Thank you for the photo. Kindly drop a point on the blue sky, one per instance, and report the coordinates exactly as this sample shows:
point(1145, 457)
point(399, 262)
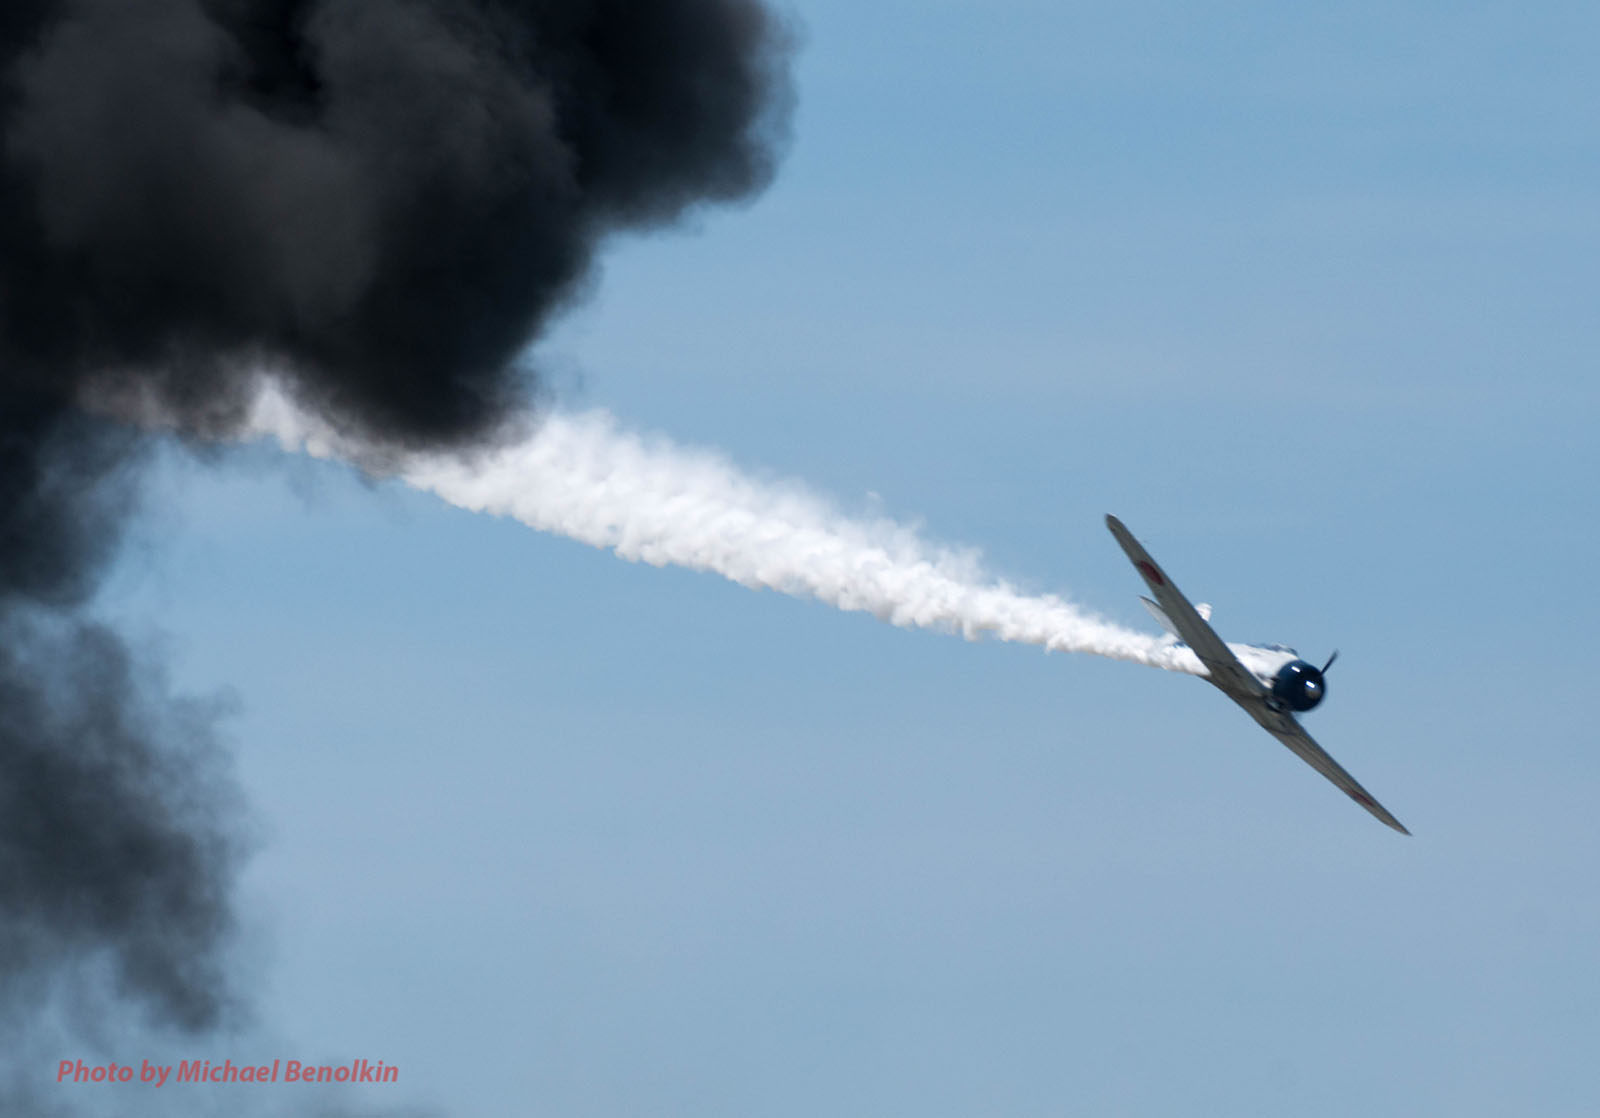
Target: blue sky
point(1305, 297)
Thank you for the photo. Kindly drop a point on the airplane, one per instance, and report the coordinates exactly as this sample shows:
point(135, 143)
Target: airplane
point(1275, 684)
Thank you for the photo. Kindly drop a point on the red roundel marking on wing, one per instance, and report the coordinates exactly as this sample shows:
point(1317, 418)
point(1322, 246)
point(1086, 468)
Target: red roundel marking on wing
point(1149, 571)
point(1365, 801)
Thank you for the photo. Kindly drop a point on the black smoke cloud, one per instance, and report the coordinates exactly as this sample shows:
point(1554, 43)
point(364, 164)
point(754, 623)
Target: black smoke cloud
point(385, 201)
point(390, 196)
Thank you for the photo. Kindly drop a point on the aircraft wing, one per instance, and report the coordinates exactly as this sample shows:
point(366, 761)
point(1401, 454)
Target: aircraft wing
point(1226, 671)
point(1283, 726)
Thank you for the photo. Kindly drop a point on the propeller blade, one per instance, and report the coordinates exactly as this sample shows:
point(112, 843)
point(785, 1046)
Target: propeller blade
point(1331, 659)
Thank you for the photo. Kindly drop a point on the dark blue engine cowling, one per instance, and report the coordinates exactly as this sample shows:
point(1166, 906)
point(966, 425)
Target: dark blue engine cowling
point(1299, 685)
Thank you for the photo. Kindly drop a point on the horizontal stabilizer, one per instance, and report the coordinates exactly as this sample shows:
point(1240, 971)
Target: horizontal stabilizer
point(1162, 618)
point(1202, 608)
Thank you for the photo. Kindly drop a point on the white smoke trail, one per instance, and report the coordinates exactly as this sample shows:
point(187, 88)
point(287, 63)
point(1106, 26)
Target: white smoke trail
point(649, 500)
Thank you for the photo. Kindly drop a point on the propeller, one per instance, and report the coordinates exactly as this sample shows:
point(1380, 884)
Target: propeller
point(1331, 659)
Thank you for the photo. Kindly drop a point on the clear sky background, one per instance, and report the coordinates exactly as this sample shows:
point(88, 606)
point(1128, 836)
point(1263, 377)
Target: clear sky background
point(1307, 297)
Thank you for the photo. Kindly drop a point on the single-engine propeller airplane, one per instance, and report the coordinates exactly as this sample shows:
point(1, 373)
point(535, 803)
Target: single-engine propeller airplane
point(1269, 681)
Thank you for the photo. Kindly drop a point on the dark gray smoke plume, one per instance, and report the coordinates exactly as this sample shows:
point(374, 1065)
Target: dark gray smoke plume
point(386, 200)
